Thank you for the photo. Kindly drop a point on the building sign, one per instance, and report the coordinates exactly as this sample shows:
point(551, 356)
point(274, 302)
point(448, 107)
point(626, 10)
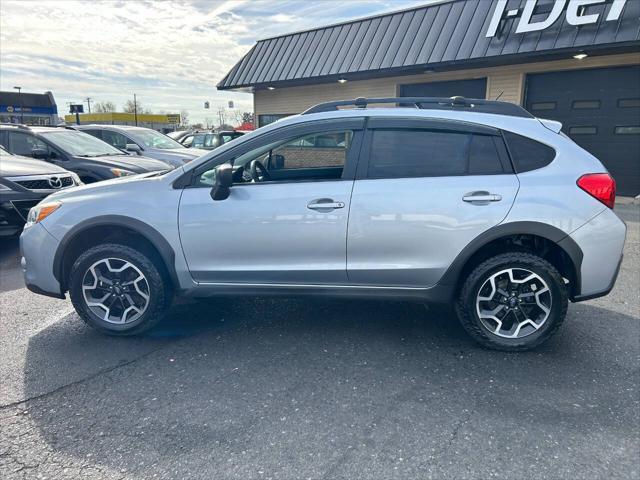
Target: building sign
point(173, 118)
point(576, 14)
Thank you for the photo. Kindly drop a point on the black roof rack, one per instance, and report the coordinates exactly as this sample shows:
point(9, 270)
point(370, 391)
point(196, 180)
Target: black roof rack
point(435, 103)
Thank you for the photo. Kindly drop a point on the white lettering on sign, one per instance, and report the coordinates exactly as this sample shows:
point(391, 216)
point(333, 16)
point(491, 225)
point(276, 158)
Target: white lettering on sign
point(576, 14)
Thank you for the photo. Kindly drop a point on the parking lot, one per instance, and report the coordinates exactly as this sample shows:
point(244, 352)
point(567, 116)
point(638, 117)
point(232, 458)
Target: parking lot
point(298, 388)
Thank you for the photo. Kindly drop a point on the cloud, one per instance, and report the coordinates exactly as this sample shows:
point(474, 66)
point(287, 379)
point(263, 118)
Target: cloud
point(170, 53)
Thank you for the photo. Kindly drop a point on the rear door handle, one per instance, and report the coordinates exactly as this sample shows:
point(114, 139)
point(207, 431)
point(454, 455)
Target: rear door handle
point(481, 197)
point(324, 204)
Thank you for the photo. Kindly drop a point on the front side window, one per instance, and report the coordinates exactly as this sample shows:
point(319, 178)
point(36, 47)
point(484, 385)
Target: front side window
point(80, 144)
point(305, 158)
point(116, 139)
point(433, 153)
point(23, 144)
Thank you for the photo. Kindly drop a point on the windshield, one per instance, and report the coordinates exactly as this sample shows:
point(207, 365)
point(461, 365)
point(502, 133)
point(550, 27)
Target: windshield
point(228, 136)
point(176, 134)
point(152, 139)
point(80, 144)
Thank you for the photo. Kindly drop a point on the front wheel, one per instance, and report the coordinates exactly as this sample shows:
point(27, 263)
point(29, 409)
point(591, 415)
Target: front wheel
point(512, 302)
point(118, 290)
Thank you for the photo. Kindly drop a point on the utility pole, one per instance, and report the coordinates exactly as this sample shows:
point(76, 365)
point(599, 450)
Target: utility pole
point(135, 109)
point(88, 100)
point(21, 105)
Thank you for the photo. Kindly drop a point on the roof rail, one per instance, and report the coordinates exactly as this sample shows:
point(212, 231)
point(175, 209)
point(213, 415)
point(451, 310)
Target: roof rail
point(17, 125)
point(435, 103)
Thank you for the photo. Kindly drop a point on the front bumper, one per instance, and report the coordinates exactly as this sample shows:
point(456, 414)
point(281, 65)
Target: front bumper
point(14, 208)
point(38, 247)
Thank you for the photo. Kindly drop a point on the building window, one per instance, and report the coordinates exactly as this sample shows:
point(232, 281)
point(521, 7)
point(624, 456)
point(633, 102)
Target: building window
point(629, 102)
point(627, 130)
point(270, 118)
point(584, 130)
point(543, 106)
point(585, 104)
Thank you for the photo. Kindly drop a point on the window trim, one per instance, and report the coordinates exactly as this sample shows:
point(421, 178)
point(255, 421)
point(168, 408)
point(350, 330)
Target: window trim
point(442, 125)
point(356, 124)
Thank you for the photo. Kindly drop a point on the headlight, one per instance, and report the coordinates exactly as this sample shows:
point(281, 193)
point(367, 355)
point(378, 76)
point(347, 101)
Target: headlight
point(119, 172)
point(40, 212)
point(4, 188)
point(76, 178)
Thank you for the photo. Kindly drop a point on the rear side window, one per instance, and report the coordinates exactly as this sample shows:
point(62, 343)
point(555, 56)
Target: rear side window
point(427, 153)
point(528, 154)
point(485, 153)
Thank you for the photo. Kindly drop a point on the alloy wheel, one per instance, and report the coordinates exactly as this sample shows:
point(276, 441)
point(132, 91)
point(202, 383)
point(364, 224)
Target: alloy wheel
point(116, 290)
point(513, 303)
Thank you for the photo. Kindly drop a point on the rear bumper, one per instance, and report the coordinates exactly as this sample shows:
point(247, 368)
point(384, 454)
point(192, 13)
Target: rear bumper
point(37, 247)
point(603, 293)
point(602, 242)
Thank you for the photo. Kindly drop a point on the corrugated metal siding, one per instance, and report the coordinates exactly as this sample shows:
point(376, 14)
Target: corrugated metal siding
point(445, 33)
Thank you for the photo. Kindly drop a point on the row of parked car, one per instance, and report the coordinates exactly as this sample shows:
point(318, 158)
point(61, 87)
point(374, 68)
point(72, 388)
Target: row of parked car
point(37, 161)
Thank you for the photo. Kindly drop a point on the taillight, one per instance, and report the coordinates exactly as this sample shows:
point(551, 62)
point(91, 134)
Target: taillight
point(600, 186)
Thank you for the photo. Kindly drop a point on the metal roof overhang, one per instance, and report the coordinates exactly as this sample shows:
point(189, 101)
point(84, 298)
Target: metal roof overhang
point(445, 36)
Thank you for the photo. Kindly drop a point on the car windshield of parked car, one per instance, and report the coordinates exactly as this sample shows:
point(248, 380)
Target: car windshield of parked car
point(80, 144)
point(228, 136)
point(152, 139)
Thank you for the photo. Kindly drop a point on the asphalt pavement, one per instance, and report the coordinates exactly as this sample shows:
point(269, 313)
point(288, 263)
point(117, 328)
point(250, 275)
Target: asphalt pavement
point(251, 388)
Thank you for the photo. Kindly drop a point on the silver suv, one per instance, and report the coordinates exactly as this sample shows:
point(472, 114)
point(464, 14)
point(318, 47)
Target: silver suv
point(469, 203)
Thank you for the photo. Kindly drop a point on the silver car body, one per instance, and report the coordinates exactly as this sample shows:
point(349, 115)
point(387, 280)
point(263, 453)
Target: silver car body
point(174, 156)
point(402, 237)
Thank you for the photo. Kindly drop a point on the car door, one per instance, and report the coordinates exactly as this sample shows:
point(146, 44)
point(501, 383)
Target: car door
point(424, 190)
point(289, 230)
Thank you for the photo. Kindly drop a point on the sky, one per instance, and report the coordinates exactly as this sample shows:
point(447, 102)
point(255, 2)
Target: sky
point(171, 53)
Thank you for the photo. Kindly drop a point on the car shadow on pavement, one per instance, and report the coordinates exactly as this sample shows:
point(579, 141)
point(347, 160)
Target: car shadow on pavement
point(296, 388)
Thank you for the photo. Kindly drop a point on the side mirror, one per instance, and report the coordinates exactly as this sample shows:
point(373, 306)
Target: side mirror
point(222, 182)
point(40, 154)
point(132, 147)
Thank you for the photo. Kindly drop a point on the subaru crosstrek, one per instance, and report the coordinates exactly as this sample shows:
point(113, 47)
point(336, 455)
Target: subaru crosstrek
point(471, 203)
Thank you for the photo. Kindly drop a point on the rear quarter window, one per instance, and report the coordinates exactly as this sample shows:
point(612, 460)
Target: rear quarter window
point(528, 154)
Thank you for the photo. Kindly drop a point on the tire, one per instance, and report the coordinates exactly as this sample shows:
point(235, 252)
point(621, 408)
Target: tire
point(524, 325)
point(106, 260)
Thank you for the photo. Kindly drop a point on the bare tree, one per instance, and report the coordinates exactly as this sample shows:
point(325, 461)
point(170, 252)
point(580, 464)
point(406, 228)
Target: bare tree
point(248, 117)
point(184, 118)
point(104, 107)
point(222, 116)
point(130, 107)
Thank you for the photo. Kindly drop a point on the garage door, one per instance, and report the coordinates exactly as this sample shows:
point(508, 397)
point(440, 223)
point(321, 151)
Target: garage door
point(476, 88)
point(600, 110)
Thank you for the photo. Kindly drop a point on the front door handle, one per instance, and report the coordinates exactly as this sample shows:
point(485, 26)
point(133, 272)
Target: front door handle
point(324, 205)
point(481, 198)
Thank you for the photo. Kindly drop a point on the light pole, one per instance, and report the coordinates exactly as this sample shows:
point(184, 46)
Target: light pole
point(135, 109)
point(21, 106)
point(88, 100)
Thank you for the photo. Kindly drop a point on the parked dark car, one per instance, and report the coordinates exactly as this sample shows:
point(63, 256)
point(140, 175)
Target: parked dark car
point(92, 159)
point(207, 140)
point(24, 182)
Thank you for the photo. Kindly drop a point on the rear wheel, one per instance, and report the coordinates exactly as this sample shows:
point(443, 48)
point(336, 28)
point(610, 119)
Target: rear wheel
point(513, 301)
point(118, 290)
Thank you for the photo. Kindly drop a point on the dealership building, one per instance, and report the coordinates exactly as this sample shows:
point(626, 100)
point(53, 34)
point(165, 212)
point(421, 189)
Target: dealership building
point(28, 108)
point(575, 61)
